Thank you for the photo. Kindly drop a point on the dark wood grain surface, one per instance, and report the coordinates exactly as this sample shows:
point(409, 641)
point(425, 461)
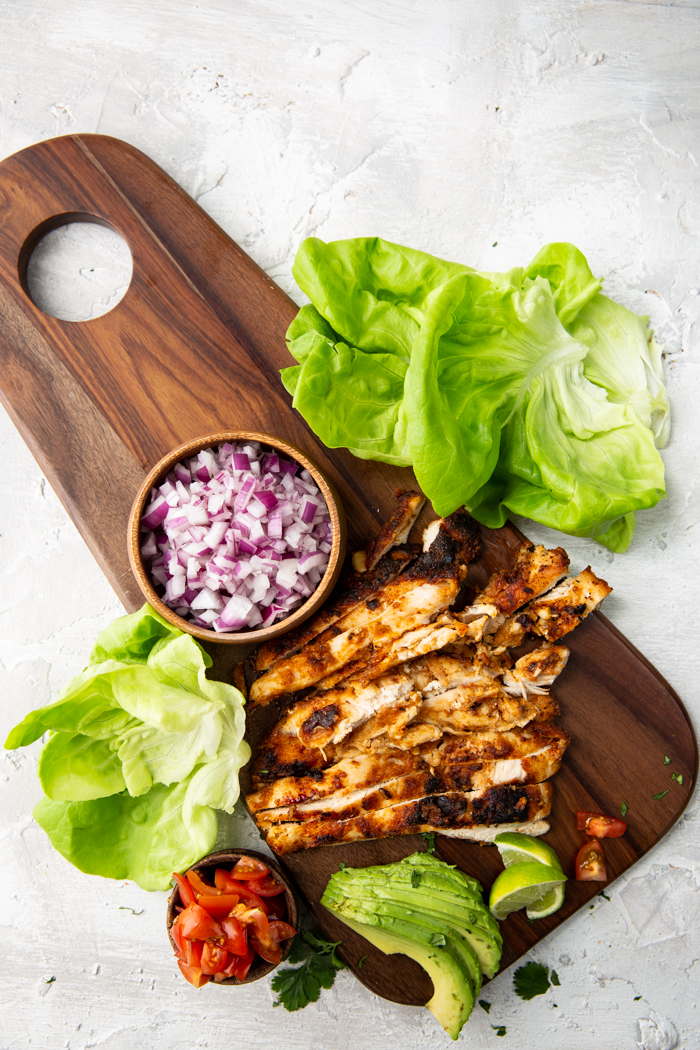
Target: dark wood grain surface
point(195, 346)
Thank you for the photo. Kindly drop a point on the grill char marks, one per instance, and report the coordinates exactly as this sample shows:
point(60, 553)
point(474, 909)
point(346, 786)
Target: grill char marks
point(427, 587)
point(398, 527)
point(354, 588)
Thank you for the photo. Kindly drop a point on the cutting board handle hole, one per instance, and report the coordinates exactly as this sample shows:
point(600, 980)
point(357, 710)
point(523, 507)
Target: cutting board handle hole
point(75, 267)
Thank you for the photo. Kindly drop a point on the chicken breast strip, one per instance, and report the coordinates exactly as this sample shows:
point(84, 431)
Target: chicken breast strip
point(428, 587)
point(395, 531)
point(451, 810)
point(355, 588)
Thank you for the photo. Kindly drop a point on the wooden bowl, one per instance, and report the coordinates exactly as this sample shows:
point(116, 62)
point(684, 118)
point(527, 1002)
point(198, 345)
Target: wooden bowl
point(226, 858)
point(245, 635)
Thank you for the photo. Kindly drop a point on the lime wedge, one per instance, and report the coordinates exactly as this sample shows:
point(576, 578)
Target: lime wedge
point(516, 848)
point(547, 905)
point(521, 885)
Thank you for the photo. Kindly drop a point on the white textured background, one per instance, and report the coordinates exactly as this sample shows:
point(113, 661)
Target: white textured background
point(448, 125)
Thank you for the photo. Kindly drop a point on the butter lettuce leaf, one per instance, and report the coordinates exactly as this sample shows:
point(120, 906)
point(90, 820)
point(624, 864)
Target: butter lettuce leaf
point(144, 748)
point(144, 839)
point(524, 392)
point(77, 768)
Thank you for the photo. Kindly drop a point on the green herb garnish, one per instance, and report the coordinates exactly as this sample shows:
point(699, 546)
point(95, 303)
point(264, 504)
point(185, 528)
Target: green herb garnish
point(531, 980)
point(623, 809)
point(123, 907)
point(667, 760)
point(301, 986)
point(361, 962)
point(499, 1029)
point(554, 977)
point(484, 1005)
point(342, 866)
point(50, 980)
point(637, 998)
point(429, 840)
point(439, 940)
point(415, 879)
point(661, 794)
point(602, 894)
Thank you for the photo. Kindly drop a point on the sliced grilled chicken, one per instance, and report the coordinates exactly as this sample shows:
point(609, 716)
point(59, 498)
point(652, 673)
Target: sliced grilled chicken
point(460, 711)
point(486, 835)
point(397, 529)
point(428, 587)
point(471, 763)
point(563, 609)
point(454, 810)
point(354, 589)
point(534, 571)
point(535, 672)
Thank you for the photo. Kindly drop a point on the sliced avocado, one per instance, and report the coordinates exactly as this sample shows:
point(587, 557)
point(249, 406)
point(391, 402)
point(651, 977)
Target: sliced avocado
point(396, 916)
point(471, 911)
point(454, 995)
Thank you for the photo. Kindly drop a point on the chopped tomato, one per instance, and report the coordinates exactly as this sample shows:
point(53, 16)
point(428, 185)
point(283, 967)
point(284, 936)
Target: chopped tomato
point(197, 924)
point(223, 881)
point(193, 974)
point(249, 868)
point(187, 894)
point(180, 942)
point(236, 935)
point(590, 863)
point(246, 894)
point(268, 886)
point(198, 884)
point(252, 917)
point(239, 965)
point(599, 825)
point(276, 907)
point(266, 949)
point(220, 905)
point(193, 953)
point(281, 931)
point(214, 958)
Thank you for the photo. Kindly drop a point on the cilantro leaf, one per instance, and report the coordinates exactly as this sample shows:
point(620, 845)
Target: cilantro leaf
point(361, 962)
point(484, 1005)
point(301, 986)
point(679, 778)
point(667, 760)
point(660, 794)
point(554, 976)
point(429, 840)
point(623, 809)
point(499, 1029)
point(531, 980)
point(415, 878)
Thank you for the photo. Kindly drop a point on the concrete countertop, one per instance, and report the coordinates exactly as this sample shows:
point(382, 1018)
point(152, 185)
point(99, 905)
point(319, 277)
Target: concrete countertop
point(474, 131)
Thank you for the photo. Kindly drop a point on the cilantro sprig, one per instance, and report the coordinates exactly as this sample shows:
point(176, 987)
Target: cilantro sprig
point(298, 987)
point(533, 979)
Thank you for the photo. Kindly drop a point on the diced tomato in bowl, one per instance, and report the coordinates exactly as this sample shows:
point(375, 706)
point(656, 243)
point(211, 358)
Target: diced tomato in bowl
point(231, 918)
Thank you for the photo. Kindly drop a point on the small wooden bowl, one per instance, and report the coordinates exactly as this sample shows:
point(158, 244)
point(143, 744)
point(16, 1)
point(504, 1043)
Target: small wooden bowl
point(226, 858)
point(246, 635)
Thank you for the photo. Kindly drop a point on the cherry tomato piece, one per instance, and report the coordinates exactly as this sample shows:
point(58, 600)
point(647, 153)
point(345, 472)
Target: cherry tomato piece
point(244, 891)
point(219, 906)
point(180, 942)
point(249, 868)
point(256, 917)
point(276, 907)
point(590, 863)
point(236, 936)
point(223, 881)
point(187, 894)
point(268, 886)
point(239, 966)
point(600, 825)
point(201, 888)
point(267, 949)
point(193, 974)
point(214, 958)
point(193, 954)
point(280, 931)
point(197, 924)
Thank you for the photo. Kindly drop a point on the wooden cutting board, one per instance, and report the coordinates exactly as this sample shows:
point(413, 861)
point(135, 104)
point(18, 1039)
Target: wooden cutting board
point(195, 346)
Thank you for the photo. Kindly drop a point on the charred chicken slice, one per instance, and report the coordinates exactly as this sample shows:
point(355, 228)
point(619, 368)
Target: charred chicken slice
point(457, 810)
point(428, 587)
point(397, 529)
point(354, 589)
point(567, 605)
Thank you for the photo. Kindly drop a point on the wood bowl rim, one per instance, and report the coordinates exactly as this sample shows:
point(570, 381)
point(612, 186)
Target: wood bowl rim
point(221, 858)
point(325, 586)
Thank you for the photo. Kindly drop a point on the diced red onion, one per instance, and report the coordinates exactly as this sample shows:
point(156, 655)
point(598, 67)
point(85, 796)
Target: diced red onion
point(236, 537)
